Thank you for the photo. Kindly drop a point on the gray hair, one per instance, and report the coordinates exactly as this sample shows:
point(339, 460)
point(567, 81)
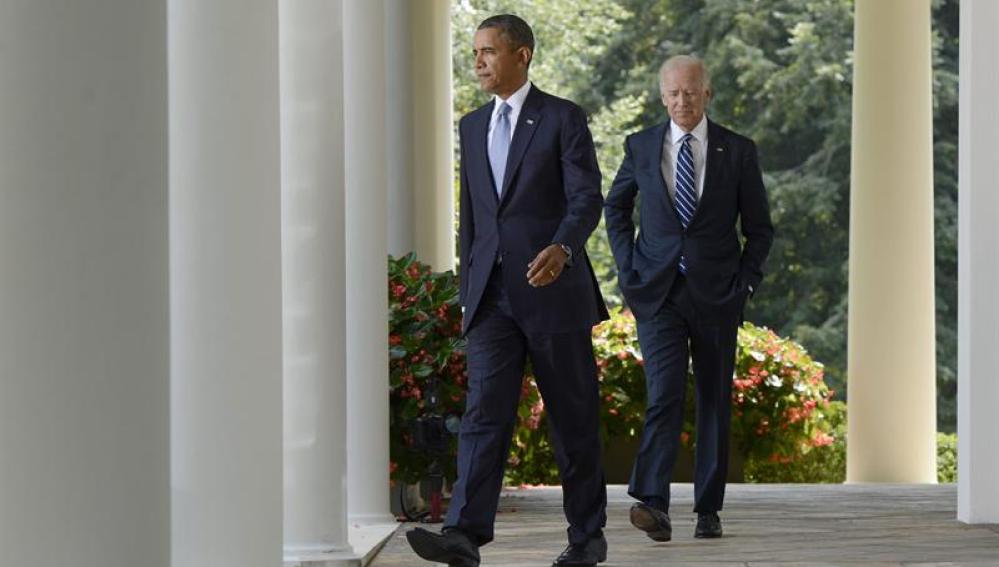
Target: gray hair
point(683, 61)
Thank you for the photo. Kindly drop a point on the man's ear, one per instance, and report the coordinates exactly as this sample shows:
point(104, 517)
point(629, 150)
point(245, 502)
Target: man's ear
point(525, 55)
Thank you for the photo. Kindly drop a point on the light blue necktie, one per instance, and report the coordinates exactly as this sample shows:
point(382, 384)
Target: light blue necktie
point(686, 195)
point(500, 146)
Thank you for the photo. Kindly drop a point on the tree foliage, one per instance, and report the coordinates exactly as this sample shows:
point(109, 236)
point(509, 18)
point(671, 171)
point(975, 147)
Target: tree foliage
point(781, 74)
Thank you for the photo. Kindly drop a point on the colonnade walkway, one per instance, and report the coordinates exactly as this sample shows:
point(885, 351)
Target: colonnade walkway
point(765, 526)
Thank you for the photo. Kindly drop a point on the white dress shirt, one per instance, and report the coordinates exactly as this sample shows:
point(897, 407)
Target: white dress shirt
point(671, 147)
point(516, 102)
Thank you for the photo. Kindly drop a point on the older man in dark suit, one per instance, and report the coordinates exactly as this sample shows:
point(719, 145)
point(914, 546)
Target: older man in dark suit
point(686, 278)
point(530, 197)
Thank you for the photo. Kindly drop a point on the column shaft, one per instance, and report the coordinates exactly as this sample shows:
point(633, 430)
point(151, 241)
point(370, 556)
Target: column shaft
point(367, 296)
point(421, 181)
point(314, 285)
point(84, 303)
point(225, 283)
point(892, 394)
point(978, 268)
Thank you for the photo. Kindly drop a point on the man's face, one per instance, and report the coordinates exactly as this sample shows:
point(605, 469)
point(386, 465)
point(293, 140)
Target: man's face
point(500, 68)
point(685, 96)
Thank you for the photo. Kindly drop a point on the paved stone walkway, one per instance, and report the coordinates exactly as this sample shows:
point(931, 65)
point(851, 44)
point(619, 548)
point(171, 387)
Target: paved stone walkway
point(765, 525)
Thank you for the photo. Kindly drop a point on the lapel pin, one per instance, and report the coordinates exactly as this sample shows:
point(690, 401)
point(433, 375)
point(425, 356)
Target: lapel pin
point(719, 149)
point(530, 121)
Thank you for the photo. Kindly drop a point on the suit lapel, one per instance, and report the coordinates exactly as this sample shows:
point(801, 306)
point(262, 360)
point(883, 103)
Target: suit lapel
point(657, 162)
point(714, 157)
point(479, 147)
point(527, 125)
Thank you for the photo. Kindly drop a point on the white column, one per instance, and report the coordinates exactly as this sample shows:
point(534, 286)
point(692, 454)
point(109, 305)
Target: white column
point(314, 284)
point(978, 266)
point(84, 329)
point(399, 91)
point(225, 283)
point(367, 302)
point(419, 106)
point(892, 392)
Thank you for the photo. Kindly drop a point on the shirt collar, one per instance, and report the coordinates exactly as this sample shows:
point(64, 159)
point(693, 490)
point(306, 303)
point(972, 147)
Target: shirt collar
point(700, 132)
point(516, 100)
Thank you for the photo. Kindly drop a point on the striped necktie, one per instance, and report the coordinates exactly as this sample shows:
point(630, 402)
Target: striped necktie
point(686, 194)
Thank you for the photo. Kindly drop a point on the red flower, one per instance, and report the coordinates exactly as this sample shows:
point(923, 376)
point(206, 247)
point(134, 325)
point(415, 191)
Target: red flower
point(822, 439)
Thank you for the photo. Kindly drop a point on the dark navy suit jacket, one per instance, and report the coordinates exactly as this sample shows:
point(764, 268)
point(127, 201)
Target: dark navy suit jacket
point(551, 194)
point(719, 267)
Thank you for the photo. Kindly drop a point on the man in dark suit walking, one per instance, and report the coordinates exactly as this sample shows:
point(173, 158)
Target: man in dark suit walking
point(530, 197)
point(687, 278)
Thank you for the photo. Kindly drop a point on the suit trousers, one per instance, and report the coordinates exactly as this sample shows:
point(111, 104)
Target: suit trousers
point(566, 376)
point(675, 335)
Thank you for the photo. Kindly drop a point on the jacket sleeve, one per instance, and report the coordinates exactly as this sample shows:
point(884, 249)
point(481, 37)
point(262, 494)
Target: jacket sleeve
point(754, 214)
point(581, 182)
point(618, 209)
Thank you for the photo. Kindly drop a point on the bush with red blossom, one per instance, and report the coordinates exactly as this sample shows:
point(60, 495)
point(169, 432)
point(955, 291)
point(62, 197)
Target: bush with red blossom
point(424, 341)
point(783, 420)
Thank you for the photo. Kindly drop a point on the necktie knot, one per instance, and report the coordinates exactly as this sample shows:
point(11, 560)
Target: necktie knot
point(686, 138)
point(504, 109)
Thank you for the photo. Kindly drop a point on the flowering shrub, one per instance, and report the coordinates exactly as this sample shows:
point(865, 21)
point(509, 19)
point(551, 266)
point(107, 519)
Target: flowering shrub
point(781, 404)
point(424, 342)
point(783, 422)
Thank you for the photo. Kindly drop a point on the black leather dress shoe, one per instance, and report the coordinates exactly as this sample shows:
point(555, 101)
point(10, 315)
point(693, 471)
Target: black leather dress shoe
point(453, 547)
point(655, 523)
point(579, 554)
point(708, 525)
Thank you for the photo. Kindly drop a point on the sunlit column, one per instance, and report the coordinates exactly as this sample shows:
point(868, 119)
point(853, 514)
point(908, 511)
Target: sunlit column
point(892, 345)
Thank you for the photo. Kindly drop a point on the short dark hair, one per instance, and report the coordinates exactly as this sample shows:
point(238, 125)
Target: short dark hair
point(515, 29)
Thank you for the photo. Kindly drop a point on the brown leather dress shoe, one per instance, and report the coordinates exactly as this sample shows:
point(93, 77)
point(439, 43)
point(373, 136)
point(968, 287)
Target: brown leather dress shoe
point(655, 523)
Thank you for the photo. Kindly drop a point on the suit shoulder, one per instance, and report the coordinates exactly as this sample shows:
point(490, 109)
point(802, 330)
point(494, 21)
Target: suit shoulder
point(646, 136)
point(562, 106)
point(470, 116)
point(647, 132)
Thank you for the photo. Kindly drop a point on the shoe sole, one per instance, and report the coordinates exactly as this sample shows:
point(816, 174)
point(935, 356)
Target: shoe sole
point(645, 521)
point(707, 536)
point(426, 546)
